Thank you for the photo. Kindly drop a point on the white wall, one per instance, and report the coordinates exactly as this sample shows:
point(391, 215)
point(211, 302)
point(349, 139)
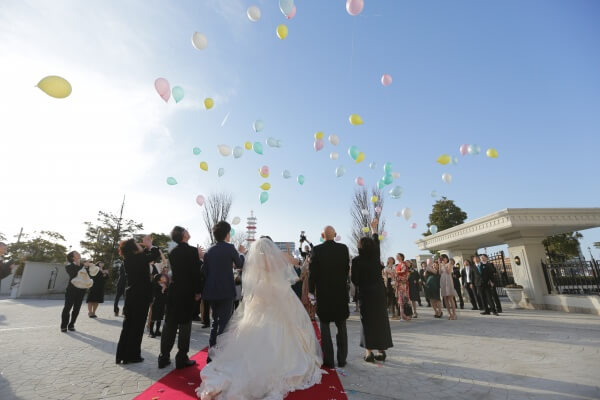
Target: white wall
point(5, 285)
point(37, 275)
point(571, 303)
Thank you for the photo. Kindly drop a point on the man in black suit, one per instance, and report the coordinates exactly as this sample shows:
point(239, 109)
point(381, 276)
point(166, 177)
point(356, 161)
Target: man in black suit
point(73, 295)
point(328, 283)
point(121, 285)
point(184, 290)
point(485, 290)
point(493, 281)
point(468, 281)
point(423, 274)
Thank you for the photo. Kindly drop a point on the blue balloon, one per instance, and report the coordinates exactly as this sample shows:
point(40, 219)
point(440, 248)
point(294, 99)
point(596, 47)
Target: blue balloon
point(381, 184)
point(177, 93)
point(286, 6)
point(396, 192)
point(353, 152)
point(387, 179)
point(258, 147)
point(433, 229)
point(387, 168)
point(264, 196)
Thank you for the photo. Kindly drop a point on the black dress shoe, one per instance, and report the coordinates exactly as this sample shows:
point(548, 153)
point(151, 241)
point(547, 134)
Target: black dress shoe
point(63, 329)
point(474, 308)
point(485, 313)
point(342, 364)
point(72, 328)
point(185, 364)
point(381, 356)
point(370, 358)
point(495, 313)
point(163, 362)
point(134, 361)
point(205, 325)
point(499, 311)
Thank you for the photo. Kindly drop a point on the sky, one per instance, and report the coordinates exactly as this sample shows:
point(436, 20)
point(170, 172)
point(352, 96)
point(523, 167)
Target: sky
point(520, 77)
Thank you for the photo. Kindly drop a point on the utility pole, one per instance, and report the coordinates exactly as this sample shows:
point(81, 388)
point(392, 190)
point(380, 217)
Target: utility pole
point(117, 233)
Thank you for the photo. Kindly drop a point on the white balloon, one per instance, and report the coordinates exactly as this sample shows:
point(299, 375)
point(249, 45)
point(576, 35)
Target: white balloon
point(446, 177)
point(199, 41)
point(224, 150)
point(406, 213)
point(334, 155)
point(340, 171)
point(334, 140)
point(253, 13)
point(236, 220)
point(399, 214)
point(221, 172)
point(238, 151)
point(364, 211)
point(372, 165)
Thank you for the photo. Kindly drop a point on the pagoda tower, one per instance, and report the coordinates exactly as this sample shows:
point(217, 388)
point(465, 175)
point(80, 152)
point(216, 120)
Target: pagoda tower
point(251, 228)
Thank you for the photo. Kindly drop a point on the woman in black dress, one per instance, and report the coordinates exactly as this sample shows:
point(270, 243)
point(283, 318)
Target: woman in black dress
point(414, 286)
point(366, 275)
point(160, 286)
point(96, 292)
point(138, 296)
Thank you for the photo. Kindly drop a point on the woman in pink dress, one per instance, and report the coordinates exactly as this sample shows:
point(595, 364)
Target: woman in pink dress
point(447, 286)
point(402, 284)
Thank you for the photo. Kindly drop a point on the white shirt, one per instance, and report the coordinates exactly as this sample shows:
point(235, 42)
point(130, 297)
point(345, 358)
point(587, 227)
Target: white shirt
point(468, 271)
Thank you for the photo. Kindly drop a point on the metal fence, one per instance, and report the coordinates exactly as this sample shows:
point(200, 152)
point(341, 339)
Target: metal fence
point(572, 277)
point(504, 268)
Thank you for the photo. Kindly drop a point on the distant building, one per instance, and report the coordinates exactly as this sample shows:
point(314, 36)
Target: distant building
point(283, 246)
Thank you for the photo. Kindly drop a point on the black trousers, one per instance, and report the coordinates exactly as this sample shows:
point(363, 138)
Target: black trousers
point(130, 343)
point(167, 340)
point(496, 299)
point(221, 313)
point(205, 312)
point(73, 300)
point(472, 296)
point(120, 292)
point(327, 343)
point(487, 298)
point(459, 293)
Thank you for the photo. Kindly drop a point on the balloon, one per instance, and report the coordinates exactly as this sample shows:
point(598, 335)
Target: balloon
point(359, 181)
point(395, 175)
point(258, 126)
point(380, 184)
point(177, 93)
point(396, 192)
point(258, 147)
point(413, 226)
point(454, 160)
point(353, 152)
point(354, 7)
point(271, 142)
point(163, 88)
point(360, 158)
point(279, 144)
point(171, 181)
point(286, 174)
point(355, 119)
point(474, 149)
point(286, 6)
point(57, 87)
point(248, 146)
point(387, 168)
point(374, 199)
point(199, 41)
point(378, 209)
point(492, 153)
point(264, 171)
point(381, 237)
point(464, 149)
point(446, 177)
point(264, 196)
point(265, 186)
point(282, 31)
point(338, 237)
point(253, 13)
point(301, 179)
point(200, 200)
point(444, 159)
point(321, 239)
point(208, 103)
point(232, 232)
point(204, 166)
point(364, 211)
point(433, 229)
point(372, 165)
point(221, 172)
point(334, 140)
point(433, 193)
point(340, 171)
point(406, 213)
point(197, 151)
point(292, 13)
point(235, 220)
point(365, 229)
point(224, 150)
point(334, 155)
point(387, 179)
point(319, 135)
point(384, 234)
point(318, 145)
point(238, 152)
point(386, 79)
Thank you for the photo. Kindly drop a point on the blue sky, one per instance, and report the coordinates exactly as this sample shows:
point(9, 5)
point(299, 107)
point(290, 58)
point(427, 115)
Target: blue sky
point(521, 77)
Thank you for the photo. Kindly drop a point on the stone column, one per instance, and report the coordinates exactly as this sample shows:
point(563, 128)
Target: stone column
point(530, 273)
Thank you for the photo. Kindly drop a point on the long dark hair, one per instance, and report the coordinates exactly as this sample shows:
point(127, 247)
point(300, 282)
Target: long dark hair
point(127, 248)
point(367, 247)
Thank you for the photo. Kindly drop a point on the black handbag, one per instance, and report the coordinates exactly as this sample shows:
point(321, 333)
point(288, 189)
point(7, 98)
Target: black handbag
point(408, 311)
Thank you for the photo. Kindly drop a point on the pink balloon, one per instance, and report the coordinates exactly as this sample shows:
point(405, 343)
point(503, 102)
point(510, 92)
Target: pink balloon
point(384, 233)
point(200, 200)
point(354, 7)
point(264, 170)
point(319, 144)
point(292, 13)
point(338, 237)
point(359, 181)
point(464, 149)
point(386, 80)
point(377, 209)
point(163, 88)
point(413, 226)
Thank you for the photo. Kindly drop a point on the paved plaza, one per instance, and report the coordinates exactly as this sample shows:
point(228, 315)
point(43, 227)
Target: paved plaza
point(522, 354)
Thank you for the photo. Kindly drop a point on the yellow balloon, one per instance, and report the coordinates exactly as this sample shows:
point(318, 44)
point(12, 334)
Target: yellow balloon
point(265, 186)
point(444, 159)
point(374, 199)
point(365, 229)
point(360, 158)
point(209, 103)
point(248, 146)
point(319, 135)
point(355, 119)
point(381, 237)
point(282, 31)
point(55, 86)
point(204, 166)
point(492, 153)
point(263, 175)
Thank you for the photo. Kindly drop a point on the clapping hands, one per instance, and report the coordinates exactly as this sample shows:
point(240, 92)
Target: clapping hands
point(374, 225)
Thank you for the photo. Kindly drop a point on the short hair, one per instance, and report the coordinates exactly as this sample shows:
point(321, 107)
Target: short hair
point(401, 255)
point(71, 256)
point(444, 257)
point(177, 234)
point(483, 255)
point(423, 262)
point(220, 230)
point(127, 247)
point(466, 262)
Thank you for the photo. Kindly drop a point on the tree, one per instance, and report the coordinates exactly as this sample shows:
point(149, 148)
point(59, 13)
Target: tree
point(43, 246)
point(445, 214)
point(239, 239)
point(216, 208)
point(2, 237)
point(363, 212)
point(597, 245)
point(563, 246)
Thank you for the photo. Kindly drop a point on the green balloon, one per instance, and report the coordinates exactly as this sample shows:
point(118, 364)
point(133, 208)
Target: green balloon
point(197, 151)
point(301, 179)
point(177, 93)
point(232, 232)
point(381, 184)
point(387, 179)
point(171, 181)
point(258, 147)
point(353, 152)
point(387, 168)
point(264, 196)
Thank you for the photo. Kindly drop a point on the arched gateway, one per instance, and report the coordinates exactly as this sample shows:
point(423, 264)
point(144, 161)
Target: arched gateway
point(523, 230)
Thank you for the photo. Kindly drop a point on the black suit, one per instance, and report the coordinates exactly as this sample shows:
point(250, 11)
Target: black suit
point(456, 282)
point(467, 283)
point(73, 299)
point(487, 275)
point(328, 280)
point(493, 274)
point(186, 282)
point(121, 284)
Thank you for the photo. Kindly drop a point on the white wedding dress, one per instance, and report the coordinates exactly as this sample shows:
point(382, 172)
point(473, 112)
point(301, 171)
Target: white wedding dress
point(269, 347)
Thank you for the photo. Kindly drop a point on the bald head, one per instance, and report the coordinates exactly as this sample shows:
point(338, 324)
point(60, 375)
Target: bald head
point(329, 232)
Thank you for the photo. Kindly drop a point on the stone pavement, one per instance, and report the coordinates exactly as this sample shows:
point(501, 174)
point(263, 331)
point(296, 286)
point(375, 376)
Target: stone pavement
point(520, 355)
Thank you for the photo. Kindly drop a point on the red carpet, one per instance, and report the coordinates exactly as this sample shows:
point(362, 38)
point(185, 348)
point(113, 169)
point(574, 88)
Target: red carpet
point(182, 384)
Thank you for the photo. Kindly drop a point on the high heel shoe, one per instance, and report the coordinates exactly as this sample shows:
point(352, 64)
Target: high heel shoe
point(370, 358)
point(381, 356)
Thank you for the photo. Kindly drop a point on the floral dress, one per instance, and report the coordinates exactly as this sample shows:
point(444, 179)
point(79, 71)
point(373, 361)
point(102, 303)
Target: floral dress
point(402, 285)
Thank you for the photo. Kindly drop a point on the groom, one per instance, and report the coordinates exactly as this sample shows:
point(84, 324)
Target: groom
point(328, 278)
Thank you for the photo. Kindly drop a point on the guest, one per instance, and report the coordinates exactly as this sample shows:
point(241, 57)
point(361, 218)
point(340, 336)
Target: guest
point(366, 274)
point(160, 285)
point(138, 296)
point(96, 292)
point(237, 279)
point(389, 279)
point(121, 284)
point(423, 275)
point(310, 308)
point(402, 294)
point(467, 276)
point(6, 267)
point(414, 286)
point(447, 286)
point(456, 282)
point(493, 281)
point(73, 295)
point(487, 276)
point(432, 287)
point(184, 290)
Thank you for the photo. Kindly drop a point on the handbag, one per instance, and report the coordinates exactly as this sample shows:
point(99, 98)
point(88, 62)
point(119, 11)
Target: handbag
point(408, 311)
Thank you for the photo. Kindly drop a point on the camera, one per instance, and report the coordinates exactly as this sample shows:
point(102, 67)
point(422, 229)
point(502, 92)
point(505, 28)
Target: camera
point(302, 237)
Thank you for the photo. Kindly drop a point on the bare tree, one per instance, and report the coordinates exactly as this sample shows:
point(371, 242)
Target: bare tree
point(239, 239)
point(363, 212)
point(216, 208)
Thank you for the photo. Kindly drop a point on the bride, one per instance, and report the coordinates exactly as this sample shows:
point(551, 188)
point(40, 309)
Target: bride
point(269, 347)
